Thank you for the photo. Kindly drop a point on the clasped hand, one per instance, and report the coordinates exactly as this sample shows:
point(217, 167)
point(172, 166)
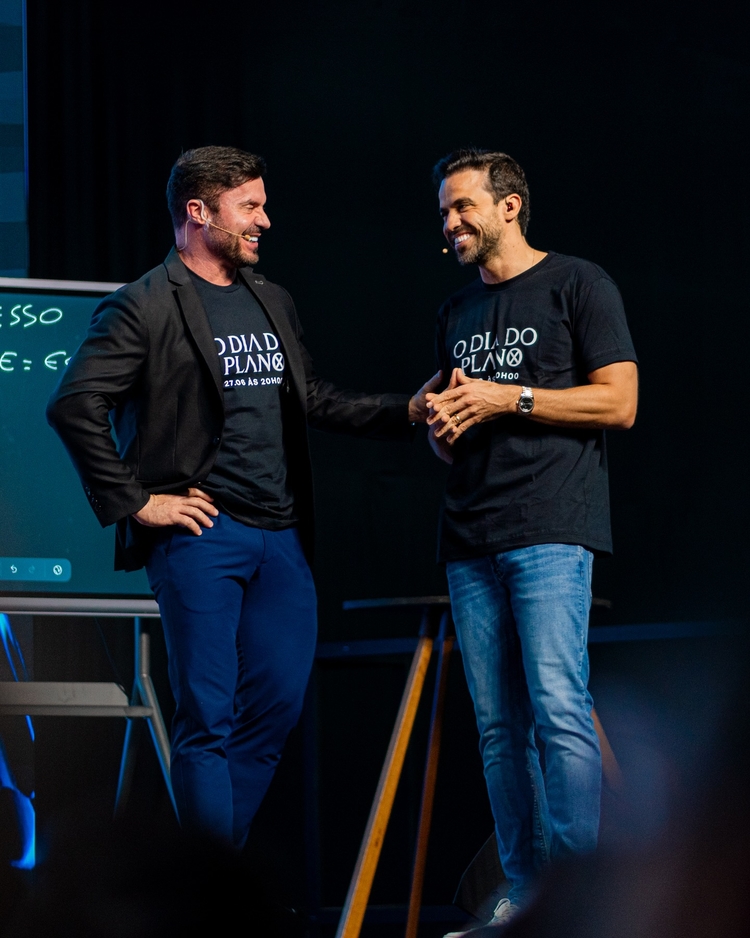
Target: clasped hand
point(192, 511)
point(466, 402)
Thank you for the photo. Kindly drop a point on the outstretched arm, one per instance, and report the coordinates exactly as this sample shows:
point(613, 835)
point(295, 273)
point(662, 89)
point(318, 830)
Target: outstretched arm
point(357, 413)
point(609, 401)
point(419, 410)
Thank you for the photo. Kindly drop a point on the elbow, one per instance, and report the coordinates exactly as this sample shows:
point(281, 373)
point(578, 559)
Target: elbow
point(58, 411)
point(624, 419)
point(52, 412)
point(61, 413)
point(625, 410)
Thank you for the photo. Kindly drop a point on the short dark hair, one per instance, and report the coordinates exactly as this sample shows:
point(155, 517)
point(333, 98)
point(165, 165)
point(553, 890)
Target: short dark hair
point(504, 175)
point(206, 172)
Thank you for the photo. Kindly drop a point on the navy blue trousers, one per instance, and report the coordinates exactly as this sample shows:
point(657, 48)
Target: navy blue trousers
point(238, 608)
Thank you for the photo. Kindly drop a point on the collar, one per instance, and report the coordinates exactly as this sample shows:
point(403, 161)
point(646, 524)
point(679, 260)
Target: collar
point(178, 273)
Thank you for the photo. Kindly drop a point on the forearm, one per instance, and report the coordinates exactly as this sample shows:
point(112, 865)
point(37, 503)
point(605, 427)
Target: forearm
point(100, 374)
point(355, 413)
point(588, 407)
point(377, 416)
point(608, 401)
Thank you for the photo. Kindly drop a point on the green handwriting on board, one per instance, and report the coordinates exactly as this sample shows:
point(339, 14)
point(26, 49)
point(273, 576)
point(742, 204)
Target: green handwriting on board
point(22, 316)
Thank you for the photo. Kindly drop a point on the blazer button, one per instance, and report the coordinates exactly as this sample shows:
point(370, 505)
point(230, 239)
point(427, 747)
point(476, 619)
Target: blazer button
point(216, 440)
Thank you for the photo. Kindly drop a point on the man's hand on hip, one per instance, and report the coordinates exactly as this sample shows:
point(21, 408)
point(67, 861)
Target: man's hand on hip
point(418, 412)
point(467, 401)
point(191, 511)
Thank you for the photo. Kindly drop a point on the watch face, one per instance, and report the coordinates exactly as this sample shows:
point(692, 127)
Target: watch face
point(526, 401)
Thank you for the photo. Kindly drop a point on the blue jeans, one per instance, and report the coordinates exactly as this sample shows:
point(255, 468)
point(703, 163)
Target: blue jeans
point(522, 621)
point(238, 608)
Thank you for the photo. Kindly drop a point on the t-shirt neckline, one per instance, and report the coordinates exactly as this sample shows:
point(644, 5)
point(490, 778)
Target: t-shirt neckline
point(218, 287)
point(519, 278)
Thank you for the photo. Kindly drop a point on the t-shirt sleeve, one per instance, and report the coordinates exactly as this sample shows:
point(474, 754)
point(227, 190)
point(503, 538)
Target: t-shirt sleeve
point(601, 330)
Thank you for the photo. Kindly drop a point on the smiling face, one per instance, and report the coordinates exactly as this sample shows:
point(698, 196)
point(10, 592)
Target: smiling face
point(241, 210)
point(473, 224)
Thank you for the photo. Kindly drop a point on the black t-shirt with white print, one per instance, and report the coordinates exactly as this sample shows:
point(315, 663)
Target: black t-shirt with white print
point(249, 479)
point(515, 482)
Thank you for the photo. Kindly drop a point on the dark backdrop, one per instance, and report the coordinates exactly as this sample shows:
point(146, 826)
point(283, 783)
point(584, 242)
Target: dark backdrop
point(631, 123)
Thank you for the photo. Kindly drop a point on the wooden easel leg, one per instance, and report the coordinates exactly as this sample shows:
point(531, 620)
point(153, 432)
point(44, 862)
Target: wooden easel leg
point(611, 771)
point(445, 646)
point(353, 913)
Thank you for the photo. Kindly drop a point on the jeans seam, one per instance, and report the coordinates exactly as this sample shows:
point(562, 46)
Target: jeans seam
point(582, 611)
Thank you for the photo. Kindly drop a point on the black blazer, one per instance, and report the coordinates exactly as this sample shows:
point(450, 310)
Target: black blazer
point(149, 360)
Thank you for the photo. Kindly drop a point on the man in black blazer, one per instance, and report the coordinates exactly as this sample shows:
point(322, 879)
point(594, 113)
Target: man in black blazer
point(201, 367)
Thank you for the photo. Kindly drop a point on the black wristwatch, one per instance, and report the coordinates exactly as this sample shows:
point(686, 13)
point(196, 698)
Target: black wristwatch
point(525, 403)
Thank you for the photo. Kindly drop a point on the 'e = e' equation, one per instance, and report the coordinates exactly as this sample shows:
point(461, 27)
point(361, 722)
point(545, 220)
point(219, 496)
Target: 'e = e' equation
point(10, 361)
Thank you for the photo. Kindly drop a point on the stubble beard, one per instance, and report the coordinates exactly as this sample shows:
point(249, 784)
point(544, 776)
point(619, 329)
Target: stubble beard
point(487, 245)
point(228, 249)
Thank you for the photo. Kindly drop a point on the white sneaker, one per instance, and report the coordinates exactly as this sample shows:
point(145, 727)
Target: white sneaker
point(504, 912)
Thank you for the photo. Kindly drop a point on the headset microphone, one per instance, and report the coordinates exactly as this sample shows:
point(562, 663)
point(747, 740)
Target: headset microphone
point(245, 237)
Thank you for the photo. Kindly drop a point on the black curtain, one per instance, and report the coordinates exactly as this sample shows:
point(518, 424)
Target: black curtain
point(630, 121)
point(631, 126)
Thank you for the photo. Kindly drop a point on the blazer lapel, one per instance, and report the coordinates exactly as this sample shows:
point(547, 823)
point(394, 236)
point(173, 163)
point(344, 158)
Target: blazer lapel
point(195, 315)
point(281, 322)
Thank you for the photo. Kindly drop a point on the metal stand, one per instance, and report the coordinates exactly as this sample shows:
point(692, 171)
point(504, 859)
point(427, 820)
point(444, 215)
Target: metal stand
point(143, 693)
point(96, 699)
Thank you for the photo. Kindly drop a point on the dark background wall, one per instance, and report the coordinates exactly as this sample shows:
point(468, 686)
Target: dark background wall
point(631, 123)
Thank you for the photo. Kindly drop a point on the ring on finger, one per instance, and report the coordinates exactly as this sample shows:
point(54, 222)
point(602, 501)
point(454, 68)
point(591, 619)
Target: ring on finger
point(457, 419)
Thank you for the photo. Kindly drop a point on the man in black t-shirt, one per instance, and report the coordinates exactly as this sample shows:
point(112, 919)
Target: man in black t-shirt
point(201, 366)
point(540, 363)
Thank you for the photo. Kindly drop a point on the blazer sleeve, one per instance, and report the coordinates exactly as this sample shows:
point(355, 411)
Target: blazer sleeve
point(355, 413)
point(99, 375)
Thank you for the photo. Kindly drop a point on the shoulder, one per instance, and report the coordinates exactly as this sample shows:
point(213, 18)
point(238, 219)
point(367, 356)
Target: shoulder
point(152, 287)
point(575, 270)
point(271, 294)
point(154, 281)
point(270, 288)
point(137, 308)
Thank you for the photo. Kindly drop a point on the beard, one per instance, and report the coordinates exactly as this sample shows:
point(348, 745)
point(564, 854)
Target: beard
point(228, 248)
point(487, 244)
